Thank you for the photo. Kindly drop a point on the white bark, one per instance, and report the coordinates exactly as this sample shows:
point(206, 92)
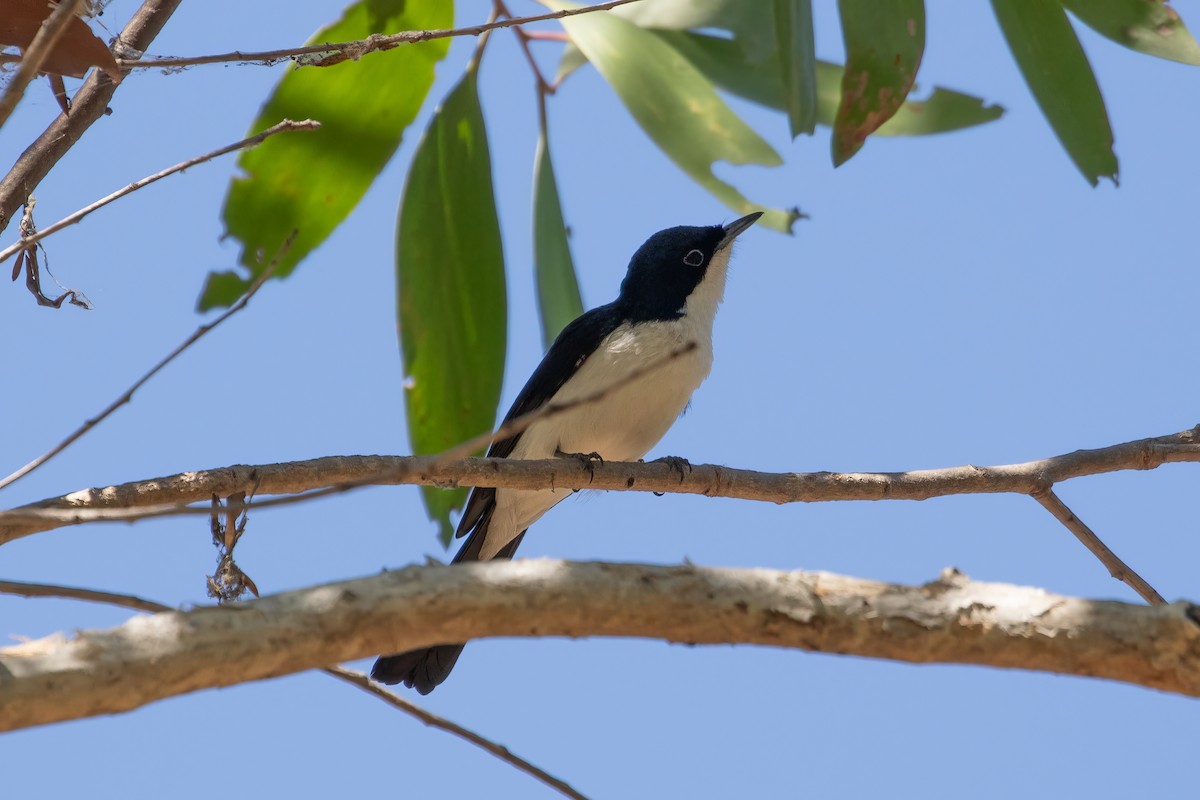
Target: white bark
point(950, 620)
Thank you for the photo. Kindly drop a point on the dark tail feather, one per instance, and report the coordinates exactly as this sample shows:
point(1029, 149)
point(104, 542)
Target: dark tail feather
point(425, 669)
point(419, 669)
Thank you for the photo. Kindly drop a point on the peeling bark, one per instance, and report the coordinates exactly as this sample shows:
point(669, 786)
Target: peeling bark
point(951, 620)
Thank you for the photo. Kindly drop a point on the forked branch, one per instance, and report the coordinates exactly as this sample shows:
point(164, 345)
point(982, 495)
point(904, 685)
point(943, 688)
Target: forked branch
point(295, 477)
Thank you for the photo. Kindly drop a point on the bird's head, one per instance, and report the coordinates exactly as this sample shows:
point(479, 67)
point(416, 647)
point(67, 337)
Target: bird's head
point(675, 264)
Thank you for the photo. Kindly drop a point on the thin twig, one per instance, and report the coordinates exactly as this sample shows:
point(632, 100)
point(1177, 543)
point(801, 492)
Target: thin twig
point(498, 750)
point(27, 261)
point(1116, 567)
point(53, 27)
point(128, 393)
point(76, 593)
point(545, 36)
point(543, 86)
point(252, 141)
point(89, 104)
point(168, 494)
point(484, 38)
point(332, 53)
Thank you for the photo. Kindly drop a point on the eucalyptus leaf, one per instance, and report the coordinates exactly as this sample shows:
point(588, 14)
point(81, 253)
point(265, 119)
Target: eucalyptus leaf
point(944, 110)
point(750, 25)
point(884, 43)
point(310, 183)
point(1058, 73)
point(557, 290)
point(675, 105)
point(730, 15)
point(1148, 26)
point(572, 59)
point(797, 63)
point(451, 307)
point(720, 61)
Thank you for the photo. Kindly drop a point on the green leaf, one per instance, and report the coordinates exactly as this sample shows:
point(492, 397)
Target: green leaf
point(310, 183)
point(1148, 26)
point(884, 44)
point(227, 285)
point(944, 110)
point(571, 60)
point(797, 63)
point(450, 288)
point(1054, 65)
point(722, 62)
point(558, 291)
point(730, 15)
point(675, 105)
point(751, 24)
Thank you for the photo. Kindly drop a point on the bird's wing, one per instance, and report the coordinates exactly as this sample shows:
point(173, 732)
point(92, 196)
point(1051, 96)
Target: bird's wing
point(564, 358)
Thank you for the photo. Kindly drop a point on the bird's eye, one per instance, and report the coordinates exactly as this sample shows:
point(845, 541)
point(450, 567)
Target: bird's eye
point(694, 258)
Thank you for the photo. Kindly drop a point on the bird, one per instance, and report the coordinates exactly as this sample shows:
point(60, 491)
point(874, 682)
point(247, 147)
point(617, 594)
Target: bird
point(663, 316)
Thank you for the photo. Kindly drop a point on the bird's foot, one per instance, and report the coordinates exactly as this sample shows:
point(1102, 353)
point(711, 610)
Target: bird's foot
point(589, 460)
point(677, 464)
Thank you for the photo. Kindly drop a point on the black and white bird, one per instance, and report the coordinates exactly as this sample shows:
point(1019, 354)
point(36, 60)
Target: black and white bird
point(666, 306)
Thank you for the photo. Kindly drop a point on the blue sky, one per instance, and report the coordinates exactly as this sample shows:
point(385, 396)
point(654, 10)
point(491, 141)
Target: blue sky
point(965, 298)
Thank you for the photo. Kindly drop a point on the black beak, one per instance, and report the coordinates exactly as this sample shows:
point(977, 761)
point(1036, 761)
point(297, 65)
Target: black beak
point(737, 226)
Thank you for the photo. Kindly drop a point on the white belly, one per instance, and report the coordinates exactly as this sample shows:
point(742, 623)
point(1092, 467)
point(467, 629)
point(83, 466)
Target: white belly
point(621, 426)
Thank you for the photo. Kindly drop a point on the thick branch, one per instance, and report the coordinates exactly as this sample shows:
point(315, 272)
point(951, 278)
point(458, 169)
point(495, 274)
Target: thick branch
point(348, 675)
point(951, 620)
point(54, 26)
point(88, 105)
point(131, 500)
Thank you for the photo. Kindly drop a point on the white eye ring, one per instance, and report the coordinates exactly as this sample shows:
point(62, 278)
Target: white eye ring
point(694, 258)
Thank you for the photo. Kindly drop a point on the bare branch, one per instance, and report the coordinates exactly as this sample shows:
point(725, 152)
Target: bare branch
point(252, 141)
point(328, 54)
point(76, 593)
point(129, 500)
point(53, 27)
point(1116, 567)
point(433, 720)
point(951, 620)
point(90, 103)
point(128, 394)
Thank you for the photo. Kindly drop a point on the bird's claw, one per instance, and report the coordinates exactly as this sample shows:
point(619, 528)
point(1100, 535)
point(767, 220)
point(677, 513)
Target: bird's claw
point(676, 463)
point(589, 460)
